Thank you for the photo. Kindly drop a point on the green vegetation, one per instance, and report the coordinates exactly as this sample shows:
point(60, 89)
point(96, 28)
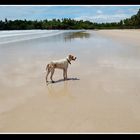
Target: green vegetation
point(67, 23)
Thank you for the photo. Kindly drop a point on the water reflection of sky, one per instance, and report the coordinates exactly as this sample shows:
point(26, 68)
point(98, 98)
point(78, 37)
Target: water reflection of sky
point(76, 35)
point(69, 36)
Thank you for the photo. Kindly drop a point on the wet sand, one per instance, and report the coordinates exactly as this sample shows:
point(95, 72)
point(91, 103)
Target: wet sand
point(102, 94)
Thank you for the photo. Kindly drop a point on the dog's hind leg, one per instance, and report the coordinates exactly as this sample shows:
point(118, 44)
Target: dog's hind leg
point(48, 71)
point(52, 72)
point(47, 76)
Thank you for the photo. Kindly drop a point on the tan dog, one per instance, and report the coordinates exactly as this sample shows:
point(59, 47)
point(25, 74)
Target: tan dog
point(59, 64)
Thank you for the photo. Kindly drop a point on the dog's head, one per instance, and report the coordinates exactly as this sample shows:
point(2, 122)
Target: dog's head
point(71, 57)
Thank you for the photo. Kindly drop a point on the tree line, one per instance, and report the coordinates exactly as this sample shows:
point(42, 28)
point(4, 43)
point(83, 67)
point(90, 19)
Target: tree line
point(67, 23)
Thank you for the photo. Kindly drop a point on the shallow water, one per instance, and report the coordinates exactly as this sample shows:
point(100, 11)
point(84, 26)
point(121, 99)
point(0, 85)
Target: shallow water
point(101, 95)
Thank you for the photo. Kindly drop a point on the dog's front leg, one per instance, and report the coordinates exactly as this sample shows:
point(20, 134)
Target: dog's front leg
point(64, 74)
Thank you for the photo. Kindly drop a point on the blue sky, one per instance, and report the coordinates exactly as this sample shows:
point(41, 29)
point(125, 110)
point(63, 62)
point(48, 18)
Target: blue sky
point(93, 13)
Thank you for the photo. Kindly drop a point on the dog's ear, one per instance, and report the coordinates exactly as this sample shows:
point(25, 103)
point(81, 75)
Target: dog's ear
point(70, 56)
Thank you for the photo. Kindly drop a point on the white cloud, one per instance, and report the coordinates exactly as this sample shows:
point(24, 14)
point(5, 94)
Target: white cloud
point(133, 10)
point(102, 18)
point(99, 12)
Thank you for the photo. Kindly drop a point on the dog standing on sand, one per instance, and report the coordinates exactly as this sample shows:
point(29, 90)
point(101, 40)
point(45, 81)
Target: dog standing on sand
point(59, 64)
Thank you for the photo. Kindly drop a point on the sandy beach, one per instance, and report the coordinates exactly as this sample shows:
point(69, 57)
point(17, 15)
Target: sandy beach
point(102, 94)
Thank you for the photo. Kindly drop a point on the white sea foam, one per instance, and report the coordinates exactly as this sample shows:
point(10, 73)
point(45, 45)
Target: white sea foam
point(16, 36)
